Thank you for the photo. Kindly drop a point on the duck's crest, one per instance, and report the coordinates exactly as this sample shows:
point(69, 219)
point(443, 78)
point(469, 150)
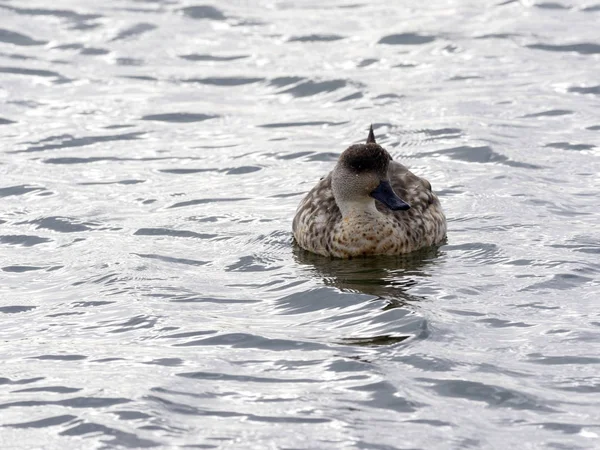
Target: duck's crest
point(371, 137)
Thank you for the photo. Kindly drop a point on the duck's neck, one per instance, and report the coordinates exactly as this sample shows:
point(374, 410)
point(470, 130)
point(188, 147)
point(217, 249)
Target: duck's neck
point(358, 208)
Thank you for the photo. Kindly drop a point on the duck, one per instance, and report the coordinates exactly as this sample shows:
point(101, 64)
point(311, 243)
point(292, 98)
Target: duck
point(368, 205)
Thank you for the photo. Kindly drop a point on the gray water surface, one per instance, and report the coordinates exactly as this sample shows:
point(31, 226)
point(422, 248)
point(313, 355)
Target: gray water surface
point(152, 155)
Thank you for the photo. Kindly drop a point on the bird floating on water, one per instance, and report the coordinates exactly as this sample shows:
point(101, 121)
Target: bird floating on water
point(369, 205)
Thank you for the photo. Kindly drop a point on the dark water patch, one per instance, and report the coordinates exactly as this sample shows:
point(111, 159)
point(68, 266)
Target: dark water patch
point(569, 146)
point(204, 201)
point(580, 385)
point(72, 313)
point(322, 156)
point(179, 117)
point(69, 141)
point(12, 37)
point(188, 334)
point(318, 299)
point(285, 81)
point(139, 322)
point(432, 422)
point(6, 121)
point(75, 402)
point(43, 423)
point(61, 224)
point(246, 340)
point(105, 279)
point(218, 376)
point(477, 251)
point(428, 362)
point(295, 155)
point(170, 259)
point(593, 8)
point(91, 304)
point(21, 381)
point(367, 62)
point(69, 160)
point(21, 269)
point(20, 57)
point(93, 51)
point(19, 190)
point(224, 81)
point(35, 73)
point(347, 98)
point(206, 57)
point(203, 12)
point(464, 77)
point(129, 61)
point(105, 360)
point(594, 128)
point(316, 38)
point(441, 133)
point(167, 362)
point(560, 282)
point(536, 305)
point(83, 50)
point(549, 113)
point(173, 233)
point(135, 30)
point(384, 395)
point(131, 415)
point(119, 439)
point(187, 171)
point(106, 183)
point(595, 90)
point(251, 264)
point(242, 170)
point(500, 323)
point(406, 39)
point(481, 155)
point(498, 36)
point(494, 396)
point(374, 341)
point(141, 77)
point(60, 357)
point(585, 48)
point(550, 5)
point(386, 96)
point(300, 124)
point(562, 360)
point(74, 46)
point(115, 127)
point(73, 160)
point(310, 88)
point(53, 389)
point(404, 65)
point(566, 428)
point(60, 13)
point(14, 310)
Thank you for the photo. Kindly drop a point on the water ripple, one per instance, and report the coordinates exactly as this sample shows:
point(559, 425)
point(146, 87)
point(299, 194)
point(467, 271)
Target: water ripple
point(153, 154)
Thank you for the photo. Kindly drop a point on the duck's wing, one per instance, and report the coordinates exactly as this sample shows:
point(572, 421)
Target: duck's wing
point(425, 218)
point(411, 188)
point(316, 217)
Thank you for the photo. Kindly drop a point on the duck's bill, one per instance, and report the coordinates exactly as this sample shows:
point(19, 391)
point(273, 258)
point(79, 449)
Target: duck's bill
point(386, 195)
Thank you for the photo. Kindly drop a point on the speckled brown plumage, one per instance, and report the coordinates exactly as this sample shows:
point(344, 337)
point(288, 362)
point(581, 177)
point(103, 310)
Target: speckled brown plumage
point(320, 228)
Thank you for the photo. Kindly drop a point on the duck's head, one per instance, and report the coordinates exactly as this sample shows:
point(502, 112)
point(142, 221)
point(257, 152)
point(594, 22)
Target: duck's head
point(361, 175)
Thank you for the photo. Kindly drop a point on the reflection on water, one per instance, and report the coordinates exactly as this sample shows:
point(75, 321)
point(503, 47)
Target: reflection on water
point(152, 155)
point(387, 277)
